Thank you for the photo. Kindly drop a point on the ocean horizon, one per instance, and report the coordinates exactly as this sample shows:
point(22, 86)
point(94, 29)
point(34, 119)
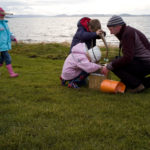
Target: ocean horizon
point(61, 29)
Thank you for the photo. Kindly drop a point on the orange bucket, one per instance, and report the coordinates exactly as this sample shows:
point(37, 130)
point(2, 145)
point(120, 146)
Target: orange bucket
point(111, 86)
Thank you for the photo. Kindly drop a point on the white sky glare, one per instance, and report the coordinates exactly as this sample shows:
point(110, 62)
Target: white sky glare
point(69, 7)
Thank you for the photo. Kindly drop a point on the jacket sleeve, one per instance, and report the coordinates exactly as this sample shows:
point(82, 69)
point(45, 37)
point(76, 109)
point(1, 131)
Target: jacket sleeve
point(128, 47)
point(88, 66)
point(85, 35)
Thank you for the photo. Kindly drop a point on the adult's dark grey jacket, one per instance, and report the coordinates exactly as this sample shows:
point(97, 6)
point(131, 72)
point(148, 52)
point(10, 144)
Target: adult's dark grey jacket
point(134, 45)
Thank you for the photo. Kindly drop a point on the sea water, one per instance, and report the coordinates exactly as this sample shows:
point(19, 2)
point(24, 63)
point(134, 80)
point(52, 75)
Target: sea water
point(62, 29)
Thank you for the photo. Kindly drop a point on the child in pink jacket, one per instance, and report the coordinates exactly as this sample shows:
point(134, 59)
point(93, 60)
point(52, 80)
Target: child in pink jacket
point(79, 63)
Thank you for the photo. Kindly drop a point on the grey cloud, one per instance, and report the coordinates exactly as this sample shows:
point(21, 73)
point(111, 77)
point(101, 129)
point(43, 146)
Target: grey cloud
point(60, 1)
point(15, 6)
point(9, 5)
point(12, 3)
point(4, 4)
point(29, 6)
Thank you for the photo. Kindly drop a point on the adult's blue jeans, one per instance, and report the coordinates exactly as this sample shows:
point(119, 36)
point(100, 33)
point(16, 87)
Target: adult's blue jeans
point(5, 57)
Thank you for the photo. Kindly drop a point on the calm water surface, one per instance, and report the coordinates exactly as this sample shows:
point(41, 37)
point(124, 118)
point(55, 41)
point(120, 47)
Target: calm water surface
point(62, 29)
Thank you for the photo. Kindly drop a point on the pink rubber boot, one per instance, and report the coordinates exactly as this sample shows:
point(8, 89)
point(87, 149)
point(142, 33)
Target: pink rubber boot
point(1, 65)
point(11, 72)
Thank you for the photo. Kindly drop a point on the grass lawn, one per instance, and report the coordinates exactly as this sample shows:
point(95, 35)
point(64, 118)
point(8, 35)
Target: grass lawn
point(37, 113)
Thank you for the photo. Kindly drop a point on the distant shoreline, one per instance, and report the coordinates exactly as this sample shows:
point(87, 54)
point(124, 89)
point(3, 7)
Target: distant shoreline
point(78, 15)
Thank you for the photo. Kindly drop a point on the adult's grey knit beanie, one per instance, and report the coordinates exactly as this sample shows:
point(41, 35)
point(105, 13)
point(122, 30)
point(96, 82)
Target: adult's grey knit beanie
point(115, 20)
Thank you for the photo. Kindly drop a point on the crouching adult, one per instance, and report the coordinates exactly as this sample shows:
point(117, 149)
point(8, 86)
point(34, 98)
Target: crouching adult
point(133, 62)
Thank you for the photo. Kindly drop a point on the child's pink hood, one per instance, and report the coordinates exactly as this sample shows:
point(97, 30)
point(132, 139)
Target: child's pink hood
point(80, 48)
point(77, 62)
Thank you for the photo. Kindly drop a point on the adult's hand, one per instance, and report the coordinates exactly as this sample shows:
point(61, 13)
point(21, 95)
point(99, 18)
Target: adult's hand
point(104, 70)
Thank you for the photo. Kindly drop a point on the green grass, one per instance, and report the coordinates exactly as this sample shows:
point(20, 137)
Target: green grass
point(37, 113)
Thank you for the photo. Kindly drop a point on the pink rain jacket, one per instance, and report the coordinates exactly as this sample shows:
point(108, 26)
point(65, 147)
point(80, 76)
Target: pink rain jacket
point(76, 62)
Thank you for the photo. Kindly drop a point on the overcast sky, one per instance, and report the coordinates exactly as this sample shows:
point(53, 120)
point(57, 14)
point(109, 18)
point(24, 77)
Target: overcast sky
point(55, 7)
